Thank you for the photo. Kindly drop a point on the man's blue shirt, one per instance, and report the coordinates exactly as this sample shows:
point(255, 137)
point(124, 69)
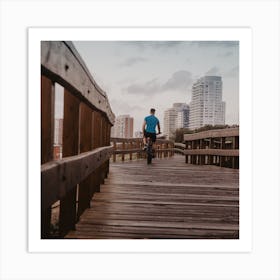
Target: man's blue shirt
point(151, 122)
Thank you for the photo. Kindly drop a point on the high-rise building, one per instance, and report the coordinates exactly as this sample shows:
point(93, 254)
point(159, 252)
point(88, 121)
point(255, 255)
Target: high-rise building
point(123, 127)
point(183, 112)
point(206, 106)
point(169, 122)
point(174, 118)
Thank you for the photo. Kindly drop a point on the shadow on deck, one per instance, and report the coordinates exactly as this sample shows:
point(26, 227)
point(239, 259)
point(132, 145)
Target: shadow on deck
point(169, 199)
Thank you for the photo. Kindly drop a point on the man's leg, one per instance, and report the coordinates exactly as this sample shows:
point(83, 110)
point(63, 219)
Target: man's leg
point(154, 146)
point(144, 140)
point(145, 143)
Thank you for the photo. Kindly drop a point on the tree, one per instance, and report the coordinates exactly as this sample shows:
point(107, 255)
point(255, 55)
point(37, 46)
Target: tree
point(179, 134)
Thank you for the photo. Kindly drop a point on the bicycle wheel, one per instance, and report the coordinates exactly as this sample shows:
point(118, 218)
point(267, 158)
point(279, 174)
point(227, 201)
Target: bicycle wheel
point(149, 158)
point(149, 155)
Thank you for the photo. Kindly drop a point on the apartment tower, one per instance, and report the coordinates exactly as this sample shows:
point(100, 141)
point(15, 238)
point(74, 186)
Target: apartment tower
point(123, 127)
point(206, 106)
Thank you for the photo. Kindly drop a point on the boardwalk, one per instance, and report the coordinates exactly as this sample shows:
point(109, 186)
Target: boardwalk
point(169, 199)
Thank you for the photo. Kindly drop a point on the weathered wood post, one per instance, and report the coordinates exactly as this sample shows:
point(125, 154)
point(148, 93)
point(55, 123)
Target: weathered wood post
point(123, 149)
point(84, 194)
point(47, 131)
point(67, 215)
point(211, 146)
point(222, 146)
point(130, 147)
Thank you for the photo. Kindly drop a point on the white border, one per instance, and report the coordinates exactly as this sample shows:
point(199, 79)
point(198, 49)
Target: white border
point(244, 36)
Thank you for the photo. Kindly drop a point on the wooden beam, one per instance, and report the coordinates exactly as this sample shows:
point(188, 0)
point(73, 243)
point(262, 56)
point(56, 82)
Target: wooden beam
point(68, 209)
point(215, 133)
point(61, 62)
point(85, 191)
point(47, 137)
point(217, 152)
point(47, 119)
point(59, 177)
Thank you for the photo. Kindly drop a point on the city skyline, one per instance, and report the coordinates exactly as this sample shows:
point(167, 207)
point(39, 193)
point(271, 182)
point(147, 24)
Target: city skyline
point(139, 75)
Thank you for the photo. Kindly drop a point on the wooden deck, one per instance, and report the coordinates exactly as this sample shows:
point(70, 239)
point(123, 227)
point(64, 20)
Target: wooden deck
point(169, 199)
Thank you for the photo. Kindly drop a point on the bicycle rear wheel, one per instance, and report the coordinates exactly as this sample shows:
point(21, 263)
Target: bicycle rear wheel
point(149, 158)
point(149, 154)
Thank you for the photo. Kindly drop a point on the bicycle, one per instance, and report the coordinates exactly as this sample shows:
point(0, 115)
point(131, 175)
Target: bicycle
point(149, 150)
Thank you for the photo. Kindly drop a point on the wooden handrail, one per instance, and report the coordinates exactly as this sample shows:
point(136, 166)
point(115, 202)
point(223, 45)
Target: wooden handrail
point(86, 150)
point(219, 147)
point(61, 62)
point(215, 133)
point(124, 146)
point(61, 176)
point(128, 140)
point(214, 152)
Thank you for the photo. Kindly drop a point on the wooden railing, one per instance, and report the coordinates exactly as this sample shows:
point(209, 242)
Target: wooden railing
point(179, 148)
point(218, 147)
point(132, 148)
point(71, 181)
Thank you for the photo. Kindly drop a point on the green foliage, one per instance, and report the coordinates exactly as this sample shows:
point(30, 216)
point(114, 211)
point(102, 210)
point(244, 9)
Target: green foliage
point(179, 134)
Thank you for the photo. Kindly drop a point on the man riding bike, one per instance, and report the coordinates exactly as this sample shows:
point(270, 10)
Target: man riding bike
point(149, 128)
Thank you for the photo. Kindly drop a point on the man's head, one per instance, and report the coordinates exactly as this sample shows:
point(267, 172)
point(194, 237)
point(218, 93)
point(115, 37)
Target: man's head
point(152, 111)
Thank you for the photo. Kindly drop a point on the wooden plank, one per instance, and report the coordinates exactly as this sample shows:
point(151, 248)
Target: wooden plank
point(67, 211)
point(194, 211)
point(61, 176)
point(96, 143)
point(217, 152)
point(47, 136)
point(61, 61)
point(85, 128)
point(131, 233)
point(135, 217)
point(167, 200)
point(85, 191)
point(215, 133)
point(70, 125)
point(176, 190)
point(168, 225)
point(47, 119)
point(121, 140)
point(178, 199)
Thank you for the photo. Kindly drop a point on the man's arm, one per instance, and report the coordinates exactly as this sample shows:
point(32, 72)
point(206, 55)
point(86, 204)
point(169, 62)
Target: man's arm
point(144, 126)
point(158, 125)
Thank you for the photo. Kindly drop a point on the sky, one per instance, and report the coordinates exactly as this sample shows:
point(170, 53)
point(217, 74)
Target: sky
point(139, 75)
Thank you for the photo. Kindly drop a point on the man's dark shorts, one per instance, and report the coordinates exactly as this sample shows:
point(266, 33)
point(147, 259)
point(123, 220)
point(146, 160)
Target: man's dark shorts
point(153, 136)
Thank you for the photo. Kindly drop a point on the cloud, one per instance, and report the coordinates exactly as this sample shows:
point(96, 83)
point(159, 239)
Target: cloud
point(132, 60)
point(226, 54)
point(233, 72)
point(155, 45)
point(209, 44)
point(121, 107)
point(179, 80)
point(146, 88)
point(214, 71)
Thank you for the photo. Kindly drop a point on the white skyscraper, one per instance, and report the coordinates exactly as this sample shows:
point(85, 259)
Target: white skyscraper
point(169, 122)
point(207, 107)
point(174, 118)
